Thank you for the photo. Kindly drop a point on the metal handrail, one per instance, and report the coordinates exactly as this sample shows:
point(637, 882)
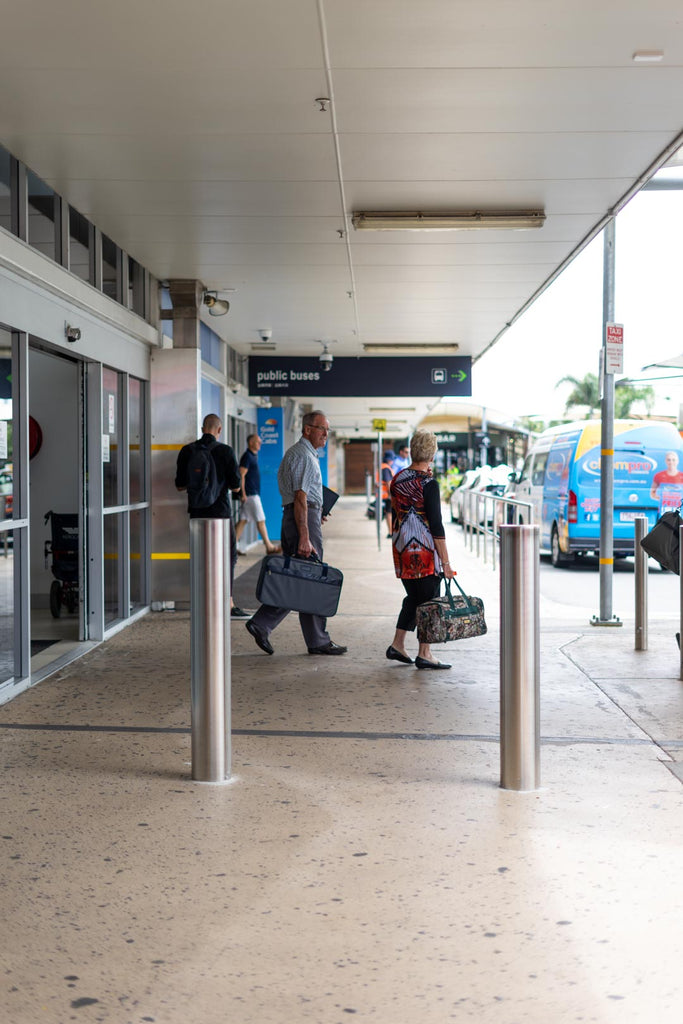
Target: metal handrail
point(481, 516)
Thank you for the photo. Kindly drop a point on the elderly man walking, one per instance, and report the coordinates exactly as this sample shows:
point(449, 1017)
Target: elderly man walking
point(301, 488)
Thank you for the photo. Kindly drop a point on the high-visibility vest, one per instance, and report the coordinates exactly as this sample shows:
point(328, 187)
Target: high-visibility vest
point(385, 485)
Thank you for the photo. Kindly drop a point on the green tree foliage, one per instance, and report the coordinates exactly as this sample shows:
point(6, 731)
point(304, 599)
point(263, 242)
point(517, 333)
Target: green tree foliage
point(626, 396)
point(584, 392)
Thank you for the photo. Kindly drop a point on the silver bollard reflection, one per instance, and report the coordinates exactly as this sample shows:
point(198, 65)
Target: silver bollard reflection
point(640, 575)
point(210, 649)
point(520, 730)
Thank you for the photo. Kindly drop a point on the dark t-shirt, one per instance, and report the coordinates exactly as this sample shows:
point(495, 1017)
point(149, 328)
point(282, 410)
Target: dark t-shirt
point(226, 471)
point(252, 481)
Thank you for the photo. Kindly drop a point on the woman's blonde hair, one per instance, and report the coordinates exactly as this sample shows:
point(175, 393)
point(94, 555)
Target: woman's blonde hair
point(423, 445)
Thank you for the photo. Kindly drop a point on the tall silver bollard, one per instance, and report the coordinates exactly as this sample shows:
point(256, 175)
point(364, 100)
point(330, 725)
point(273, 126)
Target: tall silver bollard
point(520, 729)
point(210, 649)
point(640, 575)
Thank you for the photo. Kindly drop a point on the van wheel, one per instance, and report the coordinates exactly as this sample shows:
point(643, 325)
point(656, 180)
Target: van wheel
point(557, 556)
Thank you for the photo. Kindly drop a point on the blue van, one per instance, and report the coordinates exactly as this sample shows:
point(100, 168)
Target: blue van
point(561, 480)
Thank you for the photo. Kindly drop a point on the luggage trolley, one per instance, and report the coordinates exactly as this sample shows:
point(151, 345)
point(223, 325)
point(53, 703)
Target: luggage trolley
point(64, 550)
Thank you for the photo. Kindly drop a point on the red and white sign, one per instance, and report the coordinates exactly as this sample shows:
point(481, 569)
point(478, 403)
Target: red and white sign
point(614, 348)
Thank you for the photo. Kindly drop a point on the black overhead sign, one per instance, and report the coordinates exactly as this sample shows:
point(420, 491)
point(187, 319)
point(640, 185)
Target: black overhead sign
point(365, 377)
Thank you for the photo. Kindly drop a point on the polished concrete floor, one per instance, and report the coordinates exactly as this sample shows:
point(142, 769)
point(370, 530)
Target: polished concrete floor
point(363, 862)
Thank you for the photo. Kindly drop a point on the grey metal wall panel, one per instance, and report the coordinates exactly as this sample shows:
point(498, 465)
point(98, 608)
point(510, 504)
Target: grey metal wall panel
point(175, 394)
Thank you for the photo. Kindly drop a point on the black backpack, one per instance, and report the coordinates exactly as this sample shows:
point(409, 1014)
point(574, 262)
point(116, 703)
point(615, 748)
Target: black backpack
point(203, 485)
point(662, 543)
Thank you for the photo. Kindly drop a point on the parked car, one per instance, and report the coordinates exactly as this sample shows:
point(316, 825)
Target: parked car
point(486, 479)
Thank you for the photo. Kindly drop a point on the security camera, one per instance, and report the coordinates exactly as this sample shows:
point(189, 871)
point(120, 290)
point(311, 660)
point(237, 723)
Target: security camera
point(265, 334)
point(325, 359)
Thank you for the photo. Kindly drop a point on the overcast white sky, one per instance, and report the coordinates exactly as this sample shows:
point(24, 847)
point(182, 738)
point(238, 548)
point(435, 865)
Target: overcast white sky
point(561, 333)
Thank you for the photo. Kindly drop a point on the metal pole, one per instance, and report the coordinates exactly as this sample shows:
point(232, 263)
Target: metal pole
point(210, 649)
point(520, 729)
point(606, 618)
point(379, 511)
point(640, 559)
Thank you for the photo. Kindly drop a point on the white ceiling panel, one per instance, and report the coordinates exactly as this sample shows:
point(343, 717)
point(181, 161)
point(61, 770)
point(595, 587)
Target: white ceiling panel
point(191, 136)
point(496, 33)
point(478, 156)
point(184, 198)
point(164, 157)
point(391, 254)
point(250, 34)
point(555, 196)
point(218, 102)
point(509, 100)
point(235, 230)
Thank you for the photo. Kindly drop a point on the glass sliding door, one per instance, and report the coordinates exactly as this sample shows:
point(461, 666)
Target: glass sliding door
point(14, 586)
point(125, 497)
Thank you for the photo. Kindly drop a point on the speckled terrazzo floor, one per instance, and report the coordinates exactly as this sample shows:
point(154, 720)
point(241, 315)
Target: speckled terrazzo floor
point(362, 863)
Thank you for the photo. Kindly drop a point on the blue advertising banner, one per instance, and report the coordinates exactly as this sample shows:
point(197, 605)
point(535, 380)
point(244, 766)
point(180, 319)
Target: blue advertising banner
point(365, 377)
point(322, 459)
point(271, 430)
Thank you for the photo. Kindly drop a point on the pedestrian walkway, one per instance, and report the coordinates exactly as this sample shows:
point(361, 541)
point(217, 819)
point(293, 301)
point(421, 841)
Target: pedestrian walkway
point(363, 862)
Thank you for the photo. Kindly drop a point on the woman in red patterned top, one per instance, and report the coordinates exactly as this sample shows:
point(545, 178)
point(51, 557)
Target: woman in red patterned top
point(419, 544)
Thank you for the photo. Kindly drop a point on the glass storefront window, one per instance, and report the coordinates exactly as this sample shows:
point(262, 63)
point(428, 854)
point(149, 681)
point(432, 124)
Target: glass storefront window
point(6, 463)
point(5, 190)
point(137, 561)
point(111, 567)
point(135, 441)
point(79, 244)
point(6, 607)
point(41, 215)
point(110, 274)
point(211, 346)
point(136, 287)
point(111, 437)
point(212, 395)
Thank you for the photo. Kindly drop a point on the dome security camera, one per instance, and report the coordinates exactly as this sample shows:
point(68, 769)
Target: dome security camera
point(325, 359)
point(265, 334)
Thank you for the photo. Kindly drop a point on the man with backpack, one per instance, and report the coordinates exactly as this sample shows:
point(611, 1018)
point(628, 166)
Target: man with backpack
point(207, 470)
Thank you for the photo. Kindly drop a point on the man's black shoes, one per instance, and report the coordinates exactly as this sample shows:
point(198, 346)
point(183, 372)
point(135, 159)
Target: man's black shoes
point(260, 637)
point(330, 648)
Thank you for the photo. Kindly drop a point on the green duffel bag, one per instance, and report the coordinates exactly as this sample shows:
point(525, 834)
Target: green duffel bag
point(450, 617)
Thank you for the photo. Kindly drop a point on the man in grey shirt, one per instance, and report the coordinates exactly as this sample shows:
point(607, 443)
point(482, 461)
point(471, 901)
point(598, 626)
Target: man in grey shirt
point(301, 488)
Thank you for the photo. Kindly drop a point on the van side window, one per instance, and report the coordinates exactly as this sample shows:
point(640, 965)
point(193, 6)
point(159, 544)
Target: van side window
point(526, 469)
point(538, 470)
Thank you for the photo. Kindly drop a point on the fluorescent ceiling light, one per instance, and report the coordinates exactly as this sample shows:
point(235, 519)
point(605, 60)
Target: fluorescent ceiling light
point(391, 409)
point(648, 56)
point(428, 349)
point(460, 220)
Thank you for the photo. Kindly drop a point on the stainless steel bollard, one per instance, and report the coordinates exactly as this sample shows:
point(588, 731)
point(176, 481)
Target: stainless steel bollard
point(520, 729)
point(210, 649)
point(640, 576)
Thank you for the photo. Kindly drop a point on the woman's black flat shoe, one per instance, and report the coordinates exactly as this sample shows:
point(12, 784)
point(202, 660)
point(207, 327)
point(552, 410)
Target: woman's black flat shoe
point(395, 655)
point(425, 663)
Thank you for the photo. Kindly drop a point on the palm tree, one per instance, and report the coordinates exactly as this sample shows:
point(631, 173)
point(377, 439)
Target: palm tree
point(626, 396)
point(585, 392)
